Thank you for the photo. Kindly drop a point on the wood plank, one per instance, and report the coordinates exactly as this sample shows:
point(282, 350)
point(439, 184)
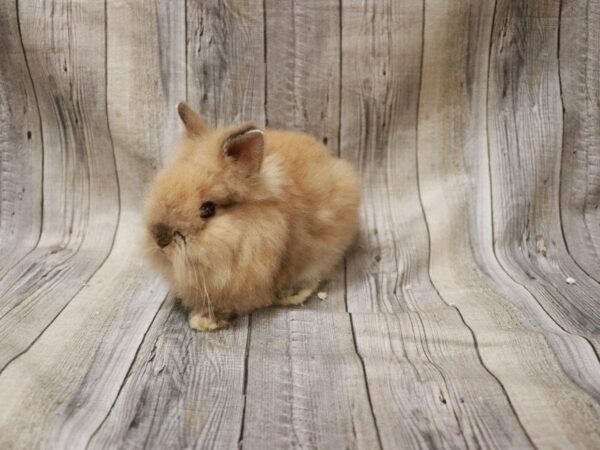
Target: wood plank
point(21, 150)
point(306, 386)
point(416, 384)
point(225, 61)
point(78, 234)
point(303, 67)
point(579, 66)
point(517, 340)
point(70, 378)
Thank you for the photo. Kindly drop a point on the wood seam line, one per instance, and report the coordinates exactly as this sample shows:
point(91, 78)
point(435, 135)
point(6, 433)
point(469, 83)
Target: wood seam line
point(112, 144)
point(266, 72)
point(118, 219)
point(350, 319)
point(364, 371)
point(339, 133)
point(245, 382)
point(249, 322)
point(185, 42)
point(440, 371)
point(128, 374)
point(389, 194)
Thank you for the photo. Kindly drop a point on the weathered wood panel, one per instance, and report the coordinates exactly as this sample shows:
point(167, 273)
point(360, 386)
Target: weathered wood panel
point(525, 142)
point(305, 389)
point(183, 391)
point(82, 359)
point(579, 65)
point(474, 126)
point(432, 393)
point(21, 151)
point(421, 384)
point(303, 78)
point(379, 109)
point(225, 60)
point(455, 187)
point(82, 205)
point(525, 163)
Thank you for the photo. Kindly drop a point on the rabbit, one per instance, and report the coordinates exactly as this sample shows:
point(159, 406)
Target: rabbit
point(241, 218)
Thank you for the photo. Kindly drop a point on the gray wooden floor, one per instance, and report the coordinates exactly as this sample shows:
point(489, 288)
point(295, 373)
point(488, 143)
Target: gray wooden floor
point(475, 125)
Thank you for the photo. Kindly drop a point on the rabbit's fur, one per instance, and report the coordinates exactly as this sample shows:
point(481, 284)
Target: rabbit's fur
point(285, 212)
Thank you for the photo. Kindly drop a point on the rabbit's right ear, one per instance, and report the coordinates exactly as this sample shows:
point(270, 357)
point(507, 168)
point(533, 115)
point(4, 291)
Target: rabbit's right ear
point(194, 125)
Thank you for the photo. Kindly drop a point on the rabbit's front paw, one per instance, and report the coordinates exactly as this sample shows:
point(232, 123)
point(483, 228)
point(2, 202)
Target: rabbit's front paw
point(200, 322)
point(296, 299)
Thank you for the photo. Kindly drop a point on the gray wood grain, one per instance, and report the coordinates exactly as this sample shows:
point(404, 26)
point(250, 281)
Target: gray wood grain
point(525, 158)
point(305, 389)
point(378, 131)
point(303, 67)
point(84, 356)
point(455, 188)
point(528, 234)
point(579, 66)
point(225, 60)
point(421, 384)
point(432, 393)
point(21, 151)
point(78, 160)
point(185, 389)
point(474, 126)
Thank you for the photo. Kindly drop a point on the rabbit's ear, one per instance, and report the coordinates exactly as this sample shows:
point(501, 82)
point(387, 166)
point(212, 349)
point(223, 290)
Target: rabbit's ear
point(245, 148)
point(194, 125)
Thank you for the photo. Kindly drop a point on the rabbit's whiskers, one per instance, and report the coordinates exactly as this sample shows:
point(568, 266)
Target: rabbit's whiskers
point(207, 303)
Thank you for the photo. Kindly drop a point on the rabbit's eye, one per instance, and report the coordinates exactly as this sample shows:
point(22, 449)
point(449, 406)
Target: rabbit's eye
point(207, 209)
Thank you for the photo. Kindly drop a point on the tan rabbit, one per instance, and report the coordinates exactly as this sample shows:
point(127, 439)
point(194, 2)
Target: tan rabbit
point(241, 218)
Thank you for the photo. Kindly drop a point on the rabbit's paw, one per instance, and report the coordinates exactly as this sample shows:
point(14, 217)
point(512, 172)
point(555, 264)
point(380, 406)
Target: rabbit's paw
point(296, 299)
point(200, 322)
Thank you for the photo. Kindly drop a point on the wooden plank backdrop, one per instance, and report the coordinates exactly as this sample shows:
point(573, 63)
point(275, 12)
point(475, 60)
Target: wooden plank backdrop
point(475, 127)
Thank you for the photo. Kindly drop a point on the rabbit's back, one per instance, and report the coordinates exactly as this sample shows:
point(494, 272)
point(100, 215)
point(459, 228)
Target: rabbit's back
point(320, 199)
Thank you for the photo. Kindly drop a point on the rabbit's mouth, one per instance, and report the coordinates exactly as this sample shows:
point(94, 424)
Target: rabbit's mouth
point(164, 236)
point(179, 237)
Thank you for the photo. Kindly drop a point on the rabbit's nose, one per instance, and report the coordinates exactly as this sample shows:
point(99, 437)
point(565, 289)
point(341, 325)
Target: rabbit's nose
point(162, 234)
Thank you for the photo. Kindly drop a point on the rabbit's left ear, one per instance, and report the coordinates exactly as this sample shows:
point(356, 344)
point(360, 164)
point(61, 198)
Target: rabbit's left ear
point(194, 125)
point(245, 148)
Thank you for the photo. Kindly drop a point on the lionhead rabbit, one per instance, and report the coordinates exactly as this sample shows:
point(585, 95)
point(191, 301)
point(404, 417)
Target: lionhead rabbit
point(240, 218)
